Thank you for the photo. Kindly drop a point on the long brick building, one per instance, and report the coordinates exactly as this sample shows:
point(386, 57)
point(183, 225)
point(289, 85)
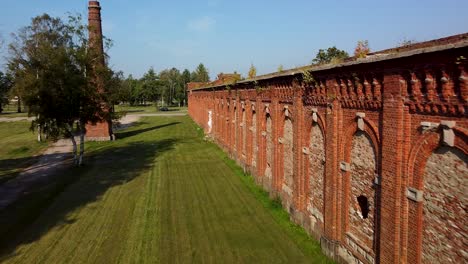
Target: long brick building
point(369, 155)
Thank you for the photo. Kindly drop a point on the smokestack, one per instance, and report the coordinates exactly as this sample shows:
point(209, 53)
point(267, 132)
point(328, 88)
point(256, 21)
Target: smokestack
point(101, 131)
point(95, 29)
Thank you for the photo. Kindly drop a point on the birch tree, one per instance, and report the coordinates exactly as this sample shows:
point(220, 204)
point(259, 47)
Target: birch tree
point(50, 63)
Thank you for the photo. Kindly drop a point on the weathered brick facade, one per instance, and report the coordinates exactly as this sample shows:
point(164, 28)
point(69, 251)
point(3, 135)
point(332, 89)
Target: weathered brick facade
point(370, 156)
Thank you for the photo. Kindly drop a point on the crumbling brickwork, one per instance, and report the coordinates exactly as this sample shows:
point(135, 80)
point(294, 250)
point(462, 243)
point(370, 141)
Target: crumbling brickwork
point(254, 146)
point(369, 156)
point(316, 174)
point(445, 220)
point(244, 135)
point(288, 163)
point(269, 152)
point(362, 195)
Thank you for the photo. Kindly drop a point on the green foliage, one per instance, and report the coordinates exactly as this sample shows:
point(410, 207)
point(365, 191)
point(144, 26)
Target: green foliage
point(362, 49)
point(173, 85)
point(61, 80)
point(151, 87)
point(200, 74)
point(6, 84)
point(280, 68)
point(252, 72)
point(168, 87)
point(307, 77)
point(55, 73)
point(330, 55)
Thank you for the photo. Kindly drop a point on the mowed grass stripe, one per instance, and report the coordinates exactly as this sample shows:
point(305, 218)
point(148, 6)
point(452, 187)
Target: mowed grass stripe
point(160, 194)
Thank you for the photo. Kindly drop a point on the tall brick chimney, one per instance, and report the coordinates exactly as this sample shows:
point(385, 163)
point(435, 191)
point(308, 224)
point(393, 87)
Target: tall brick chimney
point(101, 131)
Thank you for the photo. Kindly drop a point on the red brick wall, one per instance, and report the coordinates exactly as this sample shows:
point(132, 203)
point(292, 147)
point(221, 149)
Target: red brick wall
point(376, 129)
point(102, 131)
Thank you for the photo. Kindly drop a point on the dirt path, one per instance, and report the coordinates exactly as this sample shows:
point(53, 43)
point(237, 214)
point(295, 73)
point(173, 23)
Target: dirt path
point(51, 160)
point(15, 119)
point(131, 119)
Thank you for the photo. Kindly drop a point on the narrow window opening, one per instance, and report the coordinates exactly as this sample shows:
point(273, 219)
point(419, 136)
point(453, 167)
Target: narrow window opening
point(364, 205)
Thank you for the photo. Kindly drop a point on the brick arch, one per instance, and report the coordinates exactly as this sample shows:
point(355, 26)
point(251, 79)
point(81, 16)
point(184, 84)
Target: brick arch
point(267, 148)
point(423, 148)
point(314, 208)
point(366, 241)
point(244, 131)
point(370, 129)
point(286, 181)
point(281, 150)
point(254, 136)
point(320, 122)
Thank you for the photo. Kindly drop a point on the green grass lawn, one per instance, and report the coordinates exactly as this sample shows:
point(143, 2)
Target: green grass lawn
point(18, 145)
point(11, 110)
point(140, 109)
point(159, 194)
point(7, 114)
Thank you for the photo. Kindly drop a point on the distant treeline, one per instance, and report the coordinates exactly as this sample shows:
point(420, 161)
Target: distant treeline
point(167, 87)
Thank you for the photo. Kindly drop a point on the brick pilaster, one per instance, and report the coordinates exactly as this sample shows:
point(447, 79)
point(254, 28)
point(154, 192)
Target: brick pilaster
point(331, 166)
point(299, 129)
point(391, 170)
point(276, 121)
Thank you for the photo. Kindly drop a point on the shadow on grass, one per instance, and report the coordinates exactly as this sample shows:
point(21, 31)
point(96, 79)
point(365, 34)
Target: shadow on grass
point(122, 135)
point(12, 113)
point(48, 205)
point(10, 168)
point(132, 111)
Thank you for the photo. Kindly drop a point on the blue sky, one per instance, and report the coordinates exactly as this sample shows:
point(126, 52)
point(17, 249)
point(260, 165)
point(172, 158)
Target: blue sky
point(230, 35)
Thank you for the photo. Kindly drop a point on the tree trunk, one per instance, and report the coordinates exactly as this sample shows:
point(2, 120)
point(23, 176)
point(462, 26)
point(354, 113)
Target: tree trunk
point(39, 135)
point(19, 104)
point(82, 145)
point(75, 148)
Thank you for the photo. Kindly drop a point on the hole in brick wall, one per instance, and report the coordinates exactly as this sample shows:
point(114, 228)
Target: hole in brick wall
point(364, 205)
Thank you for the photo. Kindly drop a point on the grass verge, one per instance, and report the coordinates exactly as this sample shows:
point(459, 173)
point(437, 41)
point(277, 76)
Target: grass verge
point(159, 194)
point(18, 147)
point(307, 244)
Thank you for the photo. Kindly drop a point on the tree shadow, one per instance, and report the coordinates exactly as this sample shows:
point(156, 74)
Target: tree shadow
point(21, 174)
point(125, 134)
point(133, 111)
point(48, 205)
point(10, 168)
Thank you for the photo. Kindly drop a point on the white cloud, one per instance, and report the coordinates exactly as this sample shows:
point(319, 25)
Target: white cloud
point(203, 24)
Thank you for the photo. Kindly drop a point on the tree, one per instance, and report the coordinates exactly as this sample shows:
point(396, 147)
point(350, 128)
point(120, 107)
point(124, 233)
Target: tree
point(252, 72)
point(330, 55)
point(171, 82)
point(5, 87)
point(280, 68)
point(150, 86)
point(185, 79)
point(55, 74)
point(362, 49)
point(200, 74)
point(116, 92)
